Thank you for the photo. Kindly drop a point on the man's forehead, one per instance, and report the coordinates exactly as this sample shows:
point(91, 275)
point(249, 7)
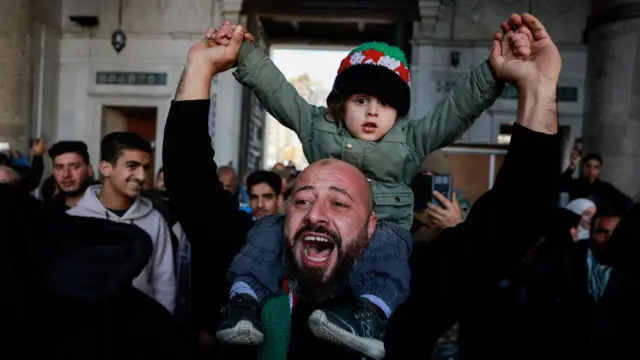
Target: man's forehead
point(135, 155)
point(608, 221)
point(331, 175)
point(261, 189)
point(67, 158)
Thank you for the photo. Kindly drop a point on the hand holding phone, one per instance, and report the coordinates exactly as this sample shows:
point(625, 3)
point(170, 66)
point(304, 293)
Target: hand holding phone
point(441, 184)
point(449, 215)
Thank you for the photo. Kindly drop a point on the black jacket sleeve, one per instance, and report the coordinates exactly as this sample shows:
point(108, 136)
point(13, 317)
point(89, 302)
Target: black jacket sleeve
point(462, 262)
point(30, 176)
point(208, 214)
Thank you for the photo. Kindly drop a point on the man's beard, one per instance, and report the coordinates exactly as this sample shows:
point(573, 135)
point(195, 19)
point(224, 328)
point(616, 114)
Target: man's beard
point(79, 191)
point(308, 281)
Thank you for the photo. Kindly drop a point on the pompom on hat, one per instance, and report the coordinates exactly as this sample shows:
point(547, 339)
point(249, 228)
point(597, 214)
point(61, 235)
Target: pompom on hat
point(375, 69)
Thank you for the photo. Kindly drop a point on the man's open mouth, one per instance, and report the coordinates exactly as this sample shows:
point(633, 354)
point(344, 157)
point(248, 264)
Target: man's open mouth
point(317, 249)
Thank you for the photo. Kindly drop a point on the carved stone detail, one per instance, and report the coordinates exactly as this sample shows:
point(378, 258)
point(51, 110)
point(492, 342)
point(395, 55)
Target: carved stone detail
point(429, 18)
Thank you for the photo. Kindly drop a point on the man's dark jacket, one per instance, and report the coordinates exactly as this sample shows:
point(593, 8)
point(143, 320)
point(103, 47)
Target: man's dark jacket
point(67, 287)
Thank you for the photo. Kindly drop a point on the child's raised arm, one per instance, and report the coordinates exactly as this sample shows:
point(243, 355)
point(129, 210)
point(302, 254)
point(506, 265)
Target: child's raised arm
point(474, 93)
point(258, 73)
point(456, 112)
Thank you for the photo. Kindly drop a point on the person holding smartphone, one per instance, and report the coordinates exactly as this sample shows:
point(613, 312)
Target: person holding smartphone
point(437, 205)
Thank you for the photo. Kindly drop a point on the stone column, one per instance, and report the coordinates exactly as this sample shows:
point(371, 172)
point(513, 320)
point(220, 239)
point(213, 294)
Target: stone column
point(15, 71)
point(612, 99)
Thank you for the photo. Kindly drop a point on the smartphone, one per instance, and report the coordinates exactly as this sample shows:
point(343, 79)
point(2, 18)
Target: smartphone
point(4, 146)
point(441, 184)
point(421, 187)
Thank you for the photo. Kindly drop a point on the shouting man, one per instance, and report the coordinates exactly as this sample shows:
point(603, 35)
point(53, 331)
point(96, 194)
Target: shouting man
point(331, 208)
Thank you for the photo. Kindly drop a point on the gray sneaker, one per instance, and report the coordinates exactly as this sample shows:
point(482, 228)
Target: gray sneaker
point(241, 322)
point(358, 327)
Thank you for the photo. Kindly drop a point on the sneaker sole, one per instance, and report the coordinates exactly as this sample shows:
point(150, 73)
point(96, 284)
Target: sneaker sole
point(321, 327)
point(244, 333)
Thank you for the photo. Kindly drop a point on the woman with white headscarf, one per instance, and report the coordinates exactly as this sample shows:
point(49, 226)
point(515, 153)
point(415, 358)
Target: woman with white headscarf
point(586, 209)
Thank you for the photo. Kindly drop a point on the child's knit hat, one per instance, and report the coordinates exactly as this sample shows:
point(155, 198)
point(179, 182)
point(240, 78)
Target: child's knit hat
point(376, 69)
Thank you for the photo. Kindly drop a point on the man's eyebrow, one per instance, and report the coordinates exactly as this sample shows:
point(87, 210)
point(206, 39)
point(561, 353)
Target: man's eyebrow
point(302, 188)
point(341, 191)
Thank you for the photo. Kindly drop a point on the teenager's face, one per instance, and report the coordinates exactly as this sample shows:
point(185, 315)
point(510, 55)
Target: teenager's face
point(129, 174)
point(368, 118)
point(591, 170)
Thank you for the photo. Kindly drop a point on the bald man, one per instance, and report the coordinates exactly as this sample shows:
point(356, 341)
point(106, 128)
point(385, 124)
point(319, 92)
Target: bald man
point(227, 175)
point(329, 219)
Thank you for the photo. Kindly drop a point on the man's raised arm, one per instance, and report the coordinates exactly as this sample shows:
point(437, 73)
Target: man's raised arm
point(208, 214)
point(463, 262)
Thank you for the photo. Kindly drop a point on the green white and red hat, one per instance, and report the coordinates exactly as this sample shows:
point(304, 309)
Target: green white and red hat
point(376, 69)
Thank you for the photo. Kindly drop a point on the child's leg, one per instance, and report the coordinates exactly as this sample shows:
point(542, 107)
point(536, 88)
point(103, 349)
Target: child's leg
point(381, 279)
point(382, 274)
point(255, 274)
point(257, 270)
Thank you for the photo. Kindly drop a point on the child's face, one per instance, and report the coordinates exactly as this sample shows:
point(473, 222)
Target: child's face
point(367, 118)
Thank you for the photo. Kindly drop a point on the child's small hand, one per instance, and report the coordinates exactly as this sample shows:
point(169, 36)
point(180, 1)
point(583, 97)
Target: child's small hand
point(223, 35)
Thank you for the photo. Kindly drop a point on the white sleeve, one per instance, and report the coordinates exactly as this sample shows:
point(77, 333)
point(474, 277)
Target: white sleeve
point(163, 277)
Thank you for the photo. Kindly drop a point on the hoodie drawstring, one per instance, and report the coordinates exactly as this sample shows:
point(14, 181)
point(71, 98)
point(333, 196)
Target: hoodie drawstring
point(107, 217)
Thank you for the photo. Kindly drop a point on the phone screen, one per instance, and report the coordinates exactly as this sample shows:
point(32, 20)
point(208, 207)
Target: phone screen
point(4, 146)
point(441, 184)
point(421, 187)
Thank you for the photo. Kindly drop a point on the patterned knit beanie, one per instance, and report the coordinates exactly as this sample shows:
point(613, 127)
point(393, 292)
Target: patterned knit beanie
point(376, 69)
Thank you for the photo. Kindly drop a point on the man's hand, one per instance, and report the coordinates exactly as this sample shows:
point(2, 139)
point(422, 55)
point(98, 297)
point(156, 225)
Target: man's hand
point(526, 56)
point(575, 158)
point(207, 58)
point(38, 147)
point(536, 76)
point(449, 215)
point(217, 57)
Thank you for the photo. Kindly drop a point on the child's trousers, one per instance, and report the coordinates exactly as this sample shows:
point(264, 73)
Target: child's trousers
point(381, 275)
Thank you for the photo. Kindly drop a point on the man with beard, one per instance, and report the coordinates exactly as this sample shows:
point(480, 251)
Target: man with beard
point(264, 188)
point(329, 216)
point(72, 172)
point(125, 159)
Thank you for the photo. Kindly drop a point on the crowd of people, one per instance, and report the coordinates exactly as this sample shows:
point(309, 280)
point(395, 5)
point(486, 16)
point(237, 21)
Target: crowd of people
point(337, 260)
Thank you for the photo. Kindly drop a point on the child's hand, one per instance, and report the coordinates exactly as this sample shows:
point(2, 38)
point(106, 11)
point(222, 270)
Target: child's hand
point(524, 54)
point(223, 35)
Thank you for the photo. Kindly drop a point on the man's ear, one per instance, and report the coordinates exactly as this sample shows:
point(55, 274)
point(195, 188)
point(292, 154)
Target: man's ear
point(280, 201)
point(371, 225)
point(90, 170)
point(105, 168)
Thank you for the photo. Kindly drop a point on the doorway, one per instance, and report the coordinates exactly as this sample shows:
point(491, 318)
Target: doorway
point(136, 119)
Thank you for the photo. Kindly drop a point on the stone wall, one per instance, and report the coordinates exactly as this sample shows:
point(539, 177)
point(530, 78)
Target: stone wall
point(15, 72)
point(467, 27)
point(612, 114)
point(159, 34)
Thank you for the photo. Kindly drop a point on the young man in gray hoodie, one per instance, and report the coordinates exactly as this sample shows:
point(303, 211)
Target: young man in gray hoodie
point(125, 158)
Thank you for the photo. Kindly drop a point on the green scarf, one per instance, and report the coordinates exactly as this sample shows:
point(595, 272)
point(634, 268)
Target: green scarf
point(276, 327)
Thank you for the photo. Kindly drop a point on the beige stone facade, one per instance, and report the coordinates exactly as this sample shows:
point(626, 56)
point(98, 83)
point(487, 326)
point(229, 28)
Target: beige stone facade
point(15, 71)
